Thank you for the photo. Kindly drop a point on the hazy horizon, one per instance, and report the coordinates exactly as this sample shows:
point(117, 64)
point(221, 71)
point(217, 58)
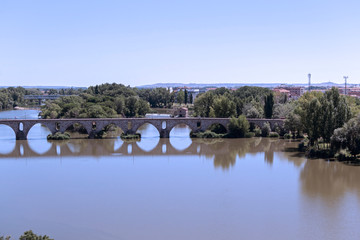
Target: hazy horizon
point(178, 83)
point(84, 43)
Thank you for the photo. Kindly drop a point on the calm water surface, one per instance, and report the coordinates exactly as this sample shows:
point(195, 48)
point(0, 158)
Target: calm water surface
point(177, 188)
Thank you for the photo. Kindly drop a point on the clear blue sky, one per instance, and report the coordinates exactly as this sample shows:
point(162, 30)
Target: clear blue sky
point(83, 43)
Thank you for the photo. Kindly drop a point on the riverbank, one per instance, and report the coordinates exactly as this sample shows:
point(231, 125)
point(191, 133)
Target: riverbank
point(26, 108)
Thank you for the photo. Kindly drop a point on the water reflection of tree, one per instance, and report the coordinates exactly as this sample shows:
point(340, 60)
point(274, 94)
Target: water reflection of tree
point(329, 180)
point(92, 147)
point(224, 153)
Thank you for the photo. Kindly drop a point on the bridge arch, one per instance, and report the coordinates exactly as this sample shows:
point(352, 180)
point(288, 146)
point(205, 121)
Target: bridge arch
point(39, 130)
point(207, 123)
point(7, 130)
point(79, 126)
point(193, 126)
point(112, 129)
point(148, 132)
point(217, 128)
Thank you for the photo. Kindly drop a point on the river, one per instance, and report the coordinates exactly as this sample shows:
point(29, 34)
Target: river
point(177, 188)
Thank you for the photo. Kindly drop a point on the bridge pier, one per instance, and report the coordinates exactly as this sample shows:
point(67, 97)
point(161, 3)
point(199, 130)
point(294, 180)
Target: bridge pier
point(20, 135)
point(164, 133)
point(92, 134)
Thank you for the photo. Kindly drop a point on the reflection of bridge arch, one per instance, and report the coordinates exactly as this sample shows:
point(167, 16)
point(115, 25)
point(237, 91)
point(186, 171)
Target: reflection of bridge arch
point(148, 144)
point(157, 150)
point(10, 130)
point(223, 152)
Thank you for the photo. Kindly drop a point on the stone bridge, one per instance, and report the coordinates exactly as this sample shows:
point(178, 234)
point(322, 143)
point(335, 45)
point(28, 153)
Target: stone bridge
point(93, 126)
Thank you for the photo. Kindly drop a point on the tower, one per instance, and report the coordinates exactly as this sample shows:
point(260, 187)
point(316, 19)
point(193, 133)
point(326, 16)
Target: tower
point(346, 77)
point(309, 76)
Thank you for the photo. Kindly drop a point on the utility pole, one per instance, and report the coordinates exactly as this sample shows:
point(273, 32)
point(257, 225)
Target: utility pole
point(309, 76)
point(346, 77)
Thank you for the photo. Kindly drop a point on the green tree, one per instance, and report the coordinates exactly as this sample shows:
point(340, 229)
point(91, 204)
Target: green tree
point(180, 97)
point(238, 127)
point(312, 120)
point(265, 130)
point(190, 98)
point(223, 107)
point(293, 124)
point(29, 235)
point(131, 107)
point(142, 107)
point(322, 113)
point(283, 110)
point(203, 104)
point(186, 96)
point(348, 137)
point(269, 104)
point(96, 111)
point(251, 111)
point(119, 104)
point(52, 92)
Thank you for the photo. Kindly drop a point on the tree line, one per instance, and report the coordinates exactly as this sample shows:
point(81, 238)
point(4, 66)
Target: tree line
point(108, 101)
point(252, 102)
point(12, 97)
point(329, 120)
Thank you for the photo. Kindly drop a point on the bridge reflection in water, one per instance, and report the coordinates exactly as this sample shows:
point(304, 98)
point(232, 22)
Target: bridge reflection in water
point(224, 152)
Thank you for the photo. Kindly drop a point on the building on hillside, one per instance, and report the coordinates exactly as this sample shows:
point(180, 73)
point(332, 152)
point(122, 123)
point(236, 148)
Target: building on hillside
point(279, 91)
point(292, 92)
point(193, 93)
point(350, 91)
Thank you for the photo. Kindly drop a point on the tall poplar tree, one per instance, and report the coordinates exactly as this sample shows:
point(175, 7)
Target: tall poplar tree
point(269, 104)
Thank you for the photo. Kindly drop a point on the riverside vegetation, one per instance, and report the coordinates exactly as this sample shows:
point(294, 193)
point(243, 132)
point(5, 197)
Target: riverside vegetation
point(327, 120)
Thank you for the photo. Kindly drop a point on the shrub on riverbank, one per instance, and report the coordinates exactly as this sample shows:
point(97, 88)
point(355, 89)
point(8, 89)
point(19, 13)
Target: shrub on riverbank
point(265, 130)
point(257, 132)
point(59, 136)
point(249, 135)
point(274, 135)
point(136, 136)
point(238, 127)
point(206, 134)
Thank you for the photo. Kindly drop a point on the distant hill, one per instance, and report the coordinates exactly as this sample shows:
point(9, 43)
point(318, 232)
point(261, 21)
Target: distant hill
point(205, 85)
point(237, 85)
